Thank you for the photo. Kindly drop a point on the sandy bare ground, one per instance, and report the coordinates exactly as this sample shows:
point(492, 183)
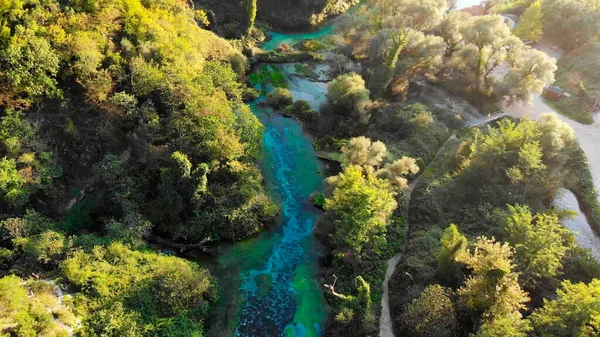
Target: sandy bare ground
point(385, 322)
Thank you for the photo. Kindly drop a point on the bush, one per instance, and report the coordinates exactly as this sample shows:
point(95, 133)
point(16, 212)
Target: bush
point(280, 98)
point(250, 94)
point(301, 110)
point(311, 45)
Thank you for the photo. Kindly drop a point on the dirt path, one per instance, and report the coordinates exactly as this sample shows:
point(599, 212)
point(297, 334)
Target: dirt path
point(386, 328)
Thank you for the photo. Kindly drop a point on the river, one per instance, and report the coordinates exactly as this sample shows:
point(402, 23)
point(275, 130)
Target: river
point(269, 283)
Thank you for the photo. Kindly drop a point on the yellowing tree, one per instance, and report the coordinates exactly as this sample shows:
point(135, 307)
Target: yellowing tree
point(493, 289)
point(531, 23)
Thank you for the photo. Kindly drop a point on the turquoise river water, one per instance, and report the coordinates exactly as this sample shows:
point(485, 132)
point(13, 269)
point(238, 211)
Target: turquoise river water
point(269, 283)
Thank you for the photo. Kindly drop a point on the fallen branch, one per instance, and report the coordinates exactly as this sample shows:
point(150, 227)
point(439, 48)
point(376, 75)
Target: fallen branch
point(331, 288)
point(182, 247)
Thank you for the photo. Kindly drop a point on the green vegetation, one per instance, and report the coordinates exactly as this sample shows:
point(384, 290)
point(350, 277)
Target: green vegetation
point(575, 77)
point(269, 74)
point(531, 23)
point(572, 23)
point(124, 130)
point(28, 308)
point(301, 110)
point(573, 313)
point(361, 208)
point(432, 314)
point(362, 226)
point(407, 40)
point(122, 121)
point(251, 8)
point(493, 184)
point(171, 294)
point(279, 99)
point(273, 56)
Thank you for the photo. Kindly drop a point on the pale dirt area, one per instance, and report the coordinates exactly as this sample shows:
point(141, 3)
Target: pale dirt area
point(385, 322)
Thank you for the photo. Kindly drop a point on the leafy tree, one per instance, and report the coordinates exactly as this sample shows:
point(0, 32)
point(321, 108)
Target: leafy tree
point(432, 314)
point(360, 207)
point(488, 5)
point(531, 71)
point(540, 241)
point(15, 132)
point(512, 152)
point(528, 166)
point(574, 312)
point(347, 106)
point(531, 23)
point(395, 172)
point(113, 321)
point(418, 15)
point(152, 289)
point(453, 244)
point(280, 98)
point(363, 152)
point(487, 41)
point(450, 30)
point(492, 287)
point(251, 8)
point(12, 183)
point(421, 56)
point(363, 303)
point(508, 324)
point(572, 23)
point(29, 67)
point(557, 140)
point(48, 247)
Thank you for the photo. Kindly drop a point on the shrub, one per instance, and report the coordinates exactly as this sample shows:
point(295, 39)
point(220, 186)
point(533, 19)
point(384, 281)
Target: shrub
point(250, 94)
point(280, 98)
point(301, 110)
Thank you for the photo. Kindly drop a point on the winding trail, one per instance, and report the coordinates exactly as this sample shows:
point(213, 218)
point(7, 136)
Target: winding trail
point(386, 328)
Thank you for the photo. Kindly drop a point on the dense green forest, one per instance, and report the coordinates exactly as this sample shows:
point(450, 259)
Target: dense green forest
point(130, 149)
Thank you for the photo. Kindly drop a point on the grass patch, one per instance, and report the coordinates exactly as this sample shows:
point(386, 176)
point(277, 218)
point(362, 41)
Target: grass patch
point(574, 108)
